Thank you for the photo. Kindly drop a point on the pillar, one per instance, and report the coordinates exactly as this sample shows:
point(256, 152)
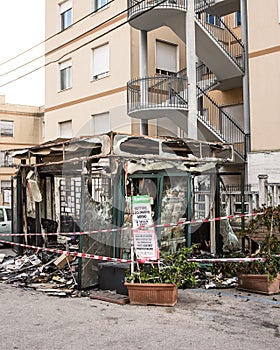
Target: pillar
point(262, 189)
point(191, 71)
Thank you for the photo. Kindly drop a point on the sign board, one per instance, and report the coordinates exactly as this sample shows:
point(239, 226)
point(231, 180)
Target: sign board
point(145, 240)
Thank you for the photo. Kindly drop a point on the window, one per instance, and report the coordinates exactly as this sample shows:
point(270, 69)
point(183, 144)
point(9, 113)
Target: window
point(6, 128)
point(100, 123)
point(65, 69)
point(215, 21)
point(237, 19)
point(65, 14)
point(9, 214)
point(100, 62)
point(5, 162)
point(100, 4)
point(65, 129)
point(166, 58)
point(7, 196)
point(5, 184)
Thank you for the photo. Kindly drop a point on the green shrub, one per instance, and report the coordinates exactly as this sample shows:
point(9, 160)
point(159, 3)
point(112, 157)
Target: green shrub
point(171, 268)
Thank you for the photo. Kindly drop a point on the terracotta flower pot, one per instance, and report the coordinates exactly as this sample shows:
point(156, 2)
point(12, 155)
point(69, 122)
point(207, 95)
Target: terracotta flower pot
point(152, 293)
point(259, 284)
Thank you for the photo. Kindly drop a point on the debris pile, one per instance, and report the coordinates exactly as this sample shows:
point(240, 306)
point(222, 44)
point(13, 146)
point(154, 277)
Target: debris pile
point(209, 280)
point(50, 273)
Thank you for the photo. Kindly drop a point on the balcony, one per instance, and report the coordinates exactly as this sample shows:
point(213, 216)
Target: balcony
point(157, 97)
point(218, 7)
point(150, 14)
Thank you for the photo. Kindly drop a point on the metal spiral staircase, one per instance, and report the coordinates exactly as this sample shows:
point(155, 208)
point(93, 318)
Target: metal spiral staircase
point(221, 53)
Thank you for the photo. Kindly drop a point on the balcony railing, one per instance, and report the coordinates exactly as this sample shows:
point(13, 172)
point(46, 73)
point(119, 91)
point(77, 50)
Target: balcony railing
point(161, 92)
point(201, 5)
point(137, 6)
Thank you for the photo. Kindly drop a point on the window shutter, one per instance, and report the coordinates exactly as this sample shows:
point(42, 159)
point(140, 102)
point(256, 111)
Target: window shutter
point(65, 6)
point(65, 64)
point(166, 56)
point(66, 129)
point(100, 123)
point(100, 61)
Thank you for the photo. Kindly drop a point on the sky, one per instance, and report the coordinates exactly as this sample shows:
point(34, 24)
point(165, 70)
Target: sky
point(22, 27)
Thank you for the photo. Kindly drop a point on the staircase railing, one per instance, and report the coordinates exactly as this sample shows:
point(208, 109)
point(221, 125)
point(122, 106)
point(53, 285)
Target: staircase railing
point(219, 31)
point(221, 124)
point(135, 6)
point(159, 92)
point(205, 79)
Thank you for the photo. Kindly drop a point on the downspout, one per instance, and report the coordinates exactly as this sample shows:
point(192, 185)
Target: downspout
point(143, 70)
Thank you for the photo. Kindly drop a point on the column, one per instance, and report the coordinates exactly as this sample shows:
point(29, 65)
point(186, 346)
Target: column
point(191, 71)
point(262, 189)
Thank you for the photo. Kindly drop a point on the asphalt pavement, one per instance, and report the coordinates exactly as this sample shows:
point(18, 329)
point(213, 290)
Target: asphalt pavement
point(201, 319)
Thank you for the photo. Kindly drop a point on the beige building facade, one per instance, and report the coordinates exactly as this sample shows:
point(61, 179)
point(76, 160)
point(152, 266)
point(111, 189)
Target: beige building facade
point(20, 127)
point(87, 66)
point(264, 67)
point(95, 103)
point(198, 69)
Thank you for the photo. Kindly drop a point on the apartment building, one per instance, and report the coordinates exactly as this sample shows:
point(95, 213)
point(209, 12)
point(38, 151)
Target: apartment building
point(197, 69)
point(88, 63)
point(264, 72)
point(20, 127)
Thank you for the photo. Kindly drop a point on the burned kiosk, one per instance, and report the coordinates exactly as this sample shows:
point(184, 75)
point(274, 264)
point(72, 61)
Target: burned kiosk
point(84, 184)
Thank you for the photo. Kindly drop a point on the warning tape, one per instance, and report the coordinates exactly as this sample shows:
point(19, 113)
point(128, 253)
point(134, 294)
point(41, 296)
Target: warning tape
point(235, 260)
point(66, 252)
point(118, 229)
point(106, 258)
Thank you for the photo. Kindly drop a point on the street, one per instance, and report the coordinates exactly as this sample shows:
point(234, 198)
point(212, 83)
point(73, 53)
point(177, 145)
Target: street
point(202, 319)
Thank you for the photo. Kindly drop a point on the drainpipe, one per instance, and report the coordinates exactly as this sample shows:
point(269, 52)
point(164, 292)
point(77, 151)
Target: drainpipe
point(143, 69)
point(246, 91)
point(191, 71)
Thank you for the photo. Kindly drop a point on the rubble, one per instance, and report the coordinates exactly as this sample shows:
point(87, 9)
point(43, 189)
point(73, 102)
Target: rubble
point(63, 260)
point(49, 273)
point(206, 279)
point(56, 275)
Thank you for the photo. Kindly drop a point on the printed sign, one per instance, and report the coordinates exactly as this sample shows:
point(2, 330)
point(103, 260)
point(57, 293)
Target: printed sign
point(145, 240)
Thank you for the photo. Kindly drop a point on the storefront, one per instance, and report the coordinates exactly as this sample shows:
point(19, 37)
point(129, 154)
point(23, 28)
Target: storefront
point(86, 185)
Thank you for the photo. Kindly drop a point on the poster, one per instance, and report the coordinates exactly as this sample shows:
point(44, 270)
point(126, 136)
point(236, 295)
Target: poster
point(145, 240)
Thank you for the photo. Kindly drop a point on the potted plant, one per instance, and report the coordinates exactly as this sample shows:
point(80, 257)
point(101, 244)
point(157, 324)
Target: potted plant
point(263, 275)
point(157, 283)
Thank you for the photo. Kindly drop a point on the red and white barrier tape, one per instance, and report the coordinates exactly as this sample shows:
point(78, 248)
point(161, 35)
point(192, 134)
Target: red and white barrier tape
point(118, 229)
point(66, 252)
point(234, 260)
point(106, 258)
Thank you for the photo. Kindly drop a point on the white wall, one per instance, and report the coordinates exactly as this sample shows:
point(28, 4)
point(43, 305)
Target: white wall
point(267, 163)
